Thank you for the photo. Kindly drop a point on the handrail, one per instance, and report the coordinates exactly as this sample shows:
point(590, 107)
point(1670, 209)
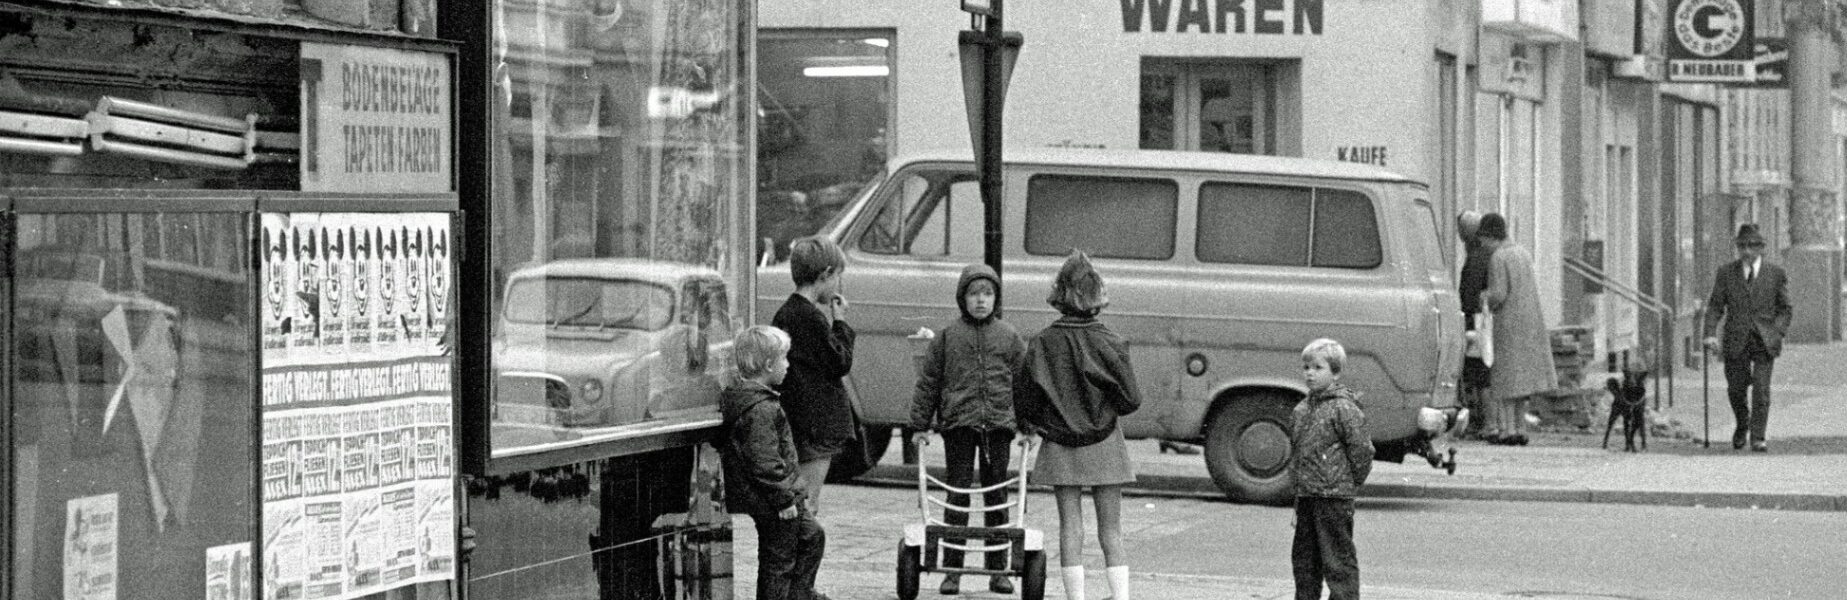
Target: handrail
point(1662, 312)
point(1583, 269)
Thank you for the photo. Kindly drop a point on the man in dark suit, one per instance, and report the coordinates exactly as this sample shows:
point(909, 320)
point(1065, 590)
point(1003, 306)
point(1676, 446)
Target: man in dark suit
point(1749, 295)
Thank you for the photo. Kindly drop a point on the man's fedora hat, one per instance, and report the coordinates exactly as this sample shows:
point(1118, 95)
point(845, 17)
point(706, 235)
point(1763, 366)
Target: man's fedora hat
point(1748, 236)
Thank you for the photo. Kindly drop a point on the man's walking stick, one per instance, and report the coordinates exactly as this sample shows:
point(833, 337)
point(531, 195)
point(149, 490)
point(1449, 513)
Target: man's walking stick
point(1705, 380)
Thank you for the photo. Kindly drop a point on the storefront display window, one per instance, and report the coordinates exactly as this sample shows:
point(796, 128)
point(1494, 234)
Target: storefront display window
point(618, 156)
point(1209, 106)
point(131, 387)
point(824, 119)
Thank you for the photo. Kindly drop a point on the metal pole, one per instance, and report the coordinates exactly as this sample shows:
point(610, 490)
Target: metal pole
point(991, 106)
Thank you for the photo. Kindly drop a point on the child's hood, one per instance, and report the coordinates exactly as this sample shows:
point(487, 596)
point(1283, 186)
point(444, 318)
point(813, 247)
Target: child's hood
point(969, 275)
point(738, 399)
point(1335, 391)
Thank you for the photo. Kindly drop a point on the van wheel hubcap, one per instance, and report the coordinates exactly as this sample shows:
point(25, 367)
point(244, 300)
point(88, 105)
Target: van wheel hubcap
point(1263, 448)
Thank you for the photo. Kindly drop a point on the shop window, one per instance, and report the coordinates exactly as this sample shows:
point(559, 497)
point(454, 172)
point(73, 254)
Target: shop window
point(130, 405)
point(823, 124)
point(1212, 106)
point(932, 212)
point(617, 143)
point(1107, 217)
point(1278, 225)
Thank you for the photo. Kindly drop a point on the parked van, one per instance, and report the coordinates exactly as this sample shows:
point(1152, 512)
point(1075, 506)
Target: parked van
point(1219, 268)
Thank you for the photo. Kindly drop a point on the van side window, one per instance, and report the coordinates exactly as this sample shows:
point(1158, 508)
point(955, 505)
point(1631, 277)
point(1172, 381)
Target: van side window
point(931, 213)
point(1290, 226)
point(1346, 233)
point(1107, 217)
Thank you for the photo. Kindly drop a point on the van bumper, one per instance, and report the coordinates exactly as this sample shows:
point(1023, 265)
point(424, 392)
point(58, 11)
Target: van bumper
point(1433, 422)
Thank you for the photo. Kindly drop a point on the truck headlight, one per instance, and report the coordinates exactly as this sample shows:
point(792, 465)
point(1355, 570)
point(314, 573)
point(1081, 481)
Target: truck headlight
point(593, 391)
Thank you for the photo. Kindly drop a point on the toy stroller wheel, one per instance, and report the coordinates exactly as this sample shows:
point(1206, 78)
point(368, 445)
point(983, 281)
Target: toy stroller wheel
point(1032, 582)
point(910, 569)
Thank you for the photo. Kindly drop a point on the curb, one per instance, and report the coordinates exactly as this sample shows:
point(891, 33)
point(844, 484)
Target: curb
point(1202, 488)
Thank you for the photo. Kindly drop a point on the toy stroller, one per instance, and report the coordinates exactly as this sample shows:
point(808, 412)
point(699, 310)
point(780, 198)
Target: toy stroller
point(923, 544)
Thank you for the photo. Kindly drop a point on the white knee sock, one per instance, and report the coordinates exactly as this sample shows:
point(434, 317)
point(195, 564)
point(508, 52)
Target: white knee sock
point(1118, 582)
point(1074, 583)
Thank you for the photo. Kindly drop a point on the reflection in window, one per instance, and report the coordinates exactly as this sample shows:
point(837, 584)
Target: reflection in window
point(1108, 217)
point(822, 123)
point(131, 400)
point(579, 302)
point(619, 163)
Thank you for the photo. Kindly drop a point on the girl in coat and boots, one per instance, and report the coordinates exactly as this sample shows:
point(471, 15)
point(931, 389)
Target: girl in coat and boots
point(1074, 382)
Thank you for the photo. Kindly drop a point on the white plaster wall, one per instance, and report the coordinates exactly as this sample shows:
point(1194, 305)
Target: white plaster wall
point(1367, 80)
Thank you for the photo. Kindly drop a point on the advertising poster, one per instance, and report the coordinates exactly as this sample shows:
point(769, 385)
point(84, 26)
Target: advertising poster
point(90, 548)
point(358, 463)
point(227, 572)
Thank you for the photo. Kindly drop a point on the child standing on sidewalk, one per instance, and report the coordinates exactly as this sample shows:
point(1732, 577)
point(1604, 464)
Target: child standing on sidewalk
point(820, 354)
point(1073, 383)
point(765, 481)
point(1331, 459)
point(965, 392)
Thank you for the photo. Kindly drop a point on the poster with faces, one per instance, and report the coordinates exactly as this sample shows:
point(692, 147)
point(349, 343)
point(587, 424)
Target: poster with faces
point(305, 328)
point(416, 288)
point(386, 330)
point(334, 289)
point(361, 309)
point(438, 276)
point(278, 290)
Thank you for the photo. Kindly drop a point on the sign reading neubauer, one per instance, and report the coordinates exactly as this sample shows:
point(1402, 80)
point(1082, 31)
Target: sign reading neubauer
point(375, 120)
point(1710, 40)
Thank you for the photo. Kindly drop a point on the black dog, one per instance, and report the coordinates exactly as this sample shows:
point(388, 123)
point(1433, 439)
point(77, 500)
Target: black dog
point(1627, 401)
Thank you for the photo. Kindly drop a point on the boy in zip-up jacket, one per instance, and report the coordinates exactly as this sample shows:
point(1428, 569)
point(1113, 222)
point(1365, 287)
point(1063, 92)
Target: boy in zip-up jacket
point(762, 472)
point(1331, 458)
point(965, 392)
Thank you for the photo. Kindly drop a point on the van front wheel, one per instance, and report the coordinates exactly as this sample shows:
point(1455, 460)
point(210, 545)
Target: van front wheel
point(1247, 449)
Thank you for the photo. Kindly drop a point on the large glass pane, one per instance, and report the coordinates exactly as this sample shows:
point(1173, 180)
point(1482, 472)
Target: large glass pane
point(618, 162)
point(131, 406)
point(824, 103)
point(1108, 217)
point(1346, 232)
point(1254, 224)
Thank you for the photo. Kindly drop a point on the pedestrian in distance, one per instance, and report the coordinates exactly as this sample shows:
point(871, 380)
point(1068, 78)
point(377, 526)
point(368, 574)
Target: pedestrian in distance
point(1749, 295)
point(1522, 364)
point(1329, 461)
point(820, 356)
point(764, 474)
point(1074, 382)
point(1469, 285)
point(965, 392)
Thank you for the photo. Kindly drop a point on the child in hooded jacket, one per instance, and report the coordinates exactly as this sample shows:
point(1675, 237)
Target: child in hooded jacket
point(1331, 458)
point(965, 392)
point(762, 473)
point(1073, 383)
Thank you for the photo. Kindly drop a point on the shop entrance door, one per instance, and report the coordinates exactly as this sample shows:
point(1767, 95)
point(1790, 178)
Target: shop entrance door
point(1208, 106)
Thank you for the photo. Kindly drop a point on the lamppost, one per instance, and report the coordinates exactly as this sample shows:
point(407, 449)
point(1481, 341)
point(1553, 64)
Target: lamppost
point(988, 52)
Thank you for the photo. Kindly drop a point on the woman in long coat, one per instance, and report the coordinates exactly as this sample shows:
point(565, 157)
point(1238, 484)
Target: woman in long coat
point(1522, 344)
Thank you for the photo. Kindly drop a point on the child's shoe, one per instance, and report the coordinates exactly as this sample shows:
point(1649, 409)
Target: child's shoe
point(952, 585)
point(1000, 584)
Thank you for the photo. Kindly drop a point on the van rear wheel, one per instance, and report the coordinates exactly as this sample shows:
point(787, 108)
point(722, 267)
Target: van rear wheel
point(1247, 448)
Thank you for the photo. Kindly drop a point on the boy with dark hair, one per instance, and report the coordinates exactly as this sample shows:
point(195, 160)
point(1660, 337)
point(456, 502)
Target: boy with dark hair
point(764, 479)
point(820, 355)
point(1331, 458)
point(965, 392)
